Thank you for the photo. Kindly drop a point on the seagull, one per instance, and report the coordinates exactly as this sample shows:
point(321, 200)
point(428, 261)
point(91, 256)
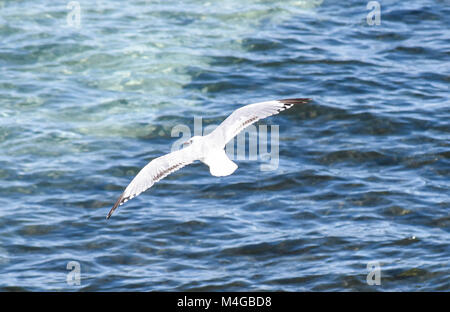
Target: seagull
point(209, 149)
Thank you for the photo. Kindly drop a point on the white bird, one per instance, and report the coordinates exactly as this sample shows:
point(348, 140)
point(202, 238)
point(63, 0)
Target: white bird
point(209, 149)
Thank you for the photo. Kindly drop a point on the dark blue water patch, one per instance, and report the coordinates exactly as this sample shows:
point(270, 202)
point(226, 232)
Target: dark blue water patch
point(415, 16)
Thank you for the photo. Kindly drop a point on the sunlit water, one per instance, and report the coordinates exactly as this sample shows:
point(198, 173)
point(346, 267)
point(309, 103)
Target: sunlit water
point(363, 171)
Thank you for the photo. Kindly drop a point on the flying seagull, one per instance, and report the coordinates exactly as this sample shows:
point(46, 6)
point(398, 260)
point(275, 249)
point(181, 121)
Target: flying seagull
point(209, 149)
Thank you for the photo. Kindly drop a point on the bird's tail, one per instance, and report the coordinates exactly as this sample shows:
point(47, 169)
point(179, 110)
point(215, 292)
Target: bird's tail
point(219, 164)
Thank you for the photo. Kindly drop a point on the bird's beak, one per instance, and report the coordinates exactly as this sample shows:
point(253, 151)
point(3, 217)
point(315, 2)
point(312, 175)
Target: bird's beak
point(186, 144)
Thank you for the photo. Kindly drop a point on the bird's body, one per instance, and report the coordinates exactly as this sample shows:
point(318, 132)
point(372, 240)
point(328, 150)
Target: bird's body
point(209, 149)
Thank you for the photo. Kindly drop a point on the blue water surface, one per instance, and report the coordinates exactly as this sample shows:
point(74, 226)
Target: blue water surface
point(363, 174)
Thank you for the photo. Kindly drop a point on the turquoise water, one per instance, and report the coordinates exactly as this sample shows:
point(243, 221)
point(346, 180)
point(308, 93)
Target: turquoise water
point(363, 171)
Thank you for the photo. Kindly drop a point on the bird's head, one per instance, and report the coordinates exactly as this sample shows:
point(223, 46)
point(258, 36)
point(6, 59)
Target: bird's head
point(191, 141)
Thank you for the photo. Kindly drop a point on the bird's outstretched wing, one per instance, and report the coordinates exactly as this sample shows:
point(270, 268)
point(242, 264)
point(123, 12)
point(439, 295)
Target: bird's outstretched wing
point(154, 171)
point(247, 115)
point(162, 166)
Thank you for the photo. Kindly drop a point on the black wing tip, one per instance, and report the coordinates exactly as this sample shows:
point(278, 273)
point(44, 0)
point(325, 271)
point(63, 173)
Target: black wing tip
point(118, 202)
point(295, 101)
